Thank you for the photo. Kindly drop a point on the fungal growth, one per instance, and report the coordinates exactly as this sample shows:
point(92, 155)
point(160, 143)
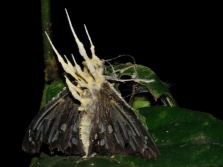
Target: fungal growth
point(103, 123)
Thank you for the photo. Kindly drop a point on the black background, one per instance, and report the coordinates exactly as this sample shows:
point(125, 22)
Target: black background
point(179, 42)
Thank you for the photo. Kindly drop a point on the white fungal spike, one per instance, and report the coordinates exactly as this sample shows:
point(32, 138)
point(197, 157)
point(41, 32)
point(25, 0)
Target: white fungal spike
point(89, 80)
point(67, 67)
point(89, 38)
point(81, 46)
point(69, 63)
point(95, 59)
point(73, 89)
point(78, 68)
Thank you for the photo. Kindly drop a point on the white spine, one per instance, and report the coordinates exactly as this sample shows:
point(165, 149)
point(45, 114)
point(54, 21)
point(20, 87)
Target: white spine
point(89, 81)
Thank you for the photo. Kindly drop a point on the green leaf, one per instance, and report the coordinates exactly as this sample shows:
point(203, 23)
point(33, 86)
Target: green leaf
point(51, 90)
point(55, 88)
point(140, 102)
point(57, 161)
point(184, 138)
point(156, 88)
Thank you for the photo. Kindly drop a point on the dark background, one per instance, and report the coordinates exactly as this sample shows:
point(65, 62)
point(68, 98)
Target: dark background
point(179, 42)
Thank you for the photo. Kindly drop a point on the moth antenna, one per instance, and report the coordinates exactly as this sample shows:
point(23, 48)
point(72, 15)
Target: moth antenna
point(134, 63)
point(122, 56)
point(69, 68)
point(80, 46)
point(113, 70)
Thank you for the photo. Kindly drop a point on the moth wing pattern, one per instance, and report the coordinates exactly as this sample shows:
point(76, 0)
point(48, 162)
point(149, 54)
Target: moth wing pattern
point(117, 129)
point(103, 122)
point(56, 124)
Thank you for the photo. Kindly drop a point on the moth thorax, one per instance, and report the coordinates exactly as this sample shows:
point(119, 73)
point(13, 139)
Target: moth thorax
point(86, 94)
point(87, 100)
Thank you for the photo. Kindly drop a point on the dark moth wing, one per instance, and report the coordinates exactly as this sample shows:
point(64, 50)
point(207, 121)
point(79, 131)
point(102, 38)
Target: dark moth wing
point(56, 124)
point(103, 122)
point(117, 129)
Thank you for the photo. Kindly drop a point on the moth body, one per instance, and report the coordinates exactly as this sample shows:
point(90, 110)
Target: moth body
point(103, 123)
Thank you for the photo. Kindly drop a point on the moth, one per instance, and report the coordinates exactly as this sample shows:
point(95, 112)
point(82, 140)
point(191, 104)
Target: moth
point(89, 116)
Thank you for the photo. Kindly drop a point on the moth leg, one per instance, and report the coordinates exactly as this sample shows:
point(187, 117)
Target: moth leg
point(134, 76)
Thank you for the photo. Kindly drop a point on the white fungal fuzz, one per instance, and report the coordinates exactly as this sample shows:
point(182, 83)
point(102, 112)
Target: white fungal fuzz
point(89, 80)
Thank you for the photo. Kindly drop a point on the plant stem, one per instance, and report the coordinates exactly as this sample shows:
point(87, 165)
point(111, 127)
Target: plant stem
point(51, 68)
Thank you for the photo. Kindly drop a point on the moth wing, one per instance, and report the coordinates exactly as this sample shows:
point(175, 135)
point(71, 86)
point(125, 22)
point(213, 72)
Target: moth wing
point(117, 129)
point(56, 124)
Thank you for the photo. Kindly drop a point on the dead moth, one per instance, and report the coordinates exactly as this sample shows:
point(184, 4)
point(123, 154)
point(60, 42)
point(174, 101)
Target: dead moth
point(103, 123)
